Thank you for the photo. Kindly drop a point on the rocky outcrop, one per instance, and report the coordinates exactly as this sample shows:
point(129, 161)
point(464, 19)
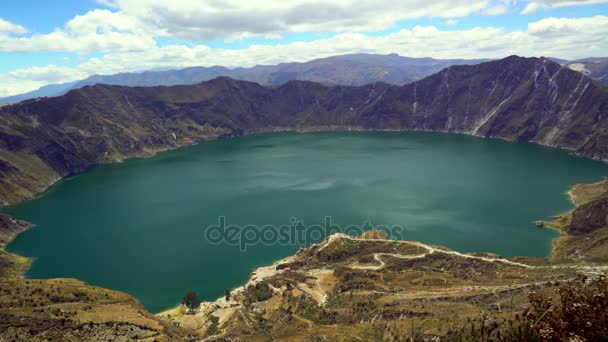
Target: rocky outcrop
point(589, 217)
point(11, 265)
point(596, 68)
point(518, 99)
point(11, 227)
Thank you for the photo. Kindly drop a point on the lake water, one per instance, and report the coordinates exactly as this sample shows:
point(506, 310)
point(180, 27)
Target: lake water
point(140, 226)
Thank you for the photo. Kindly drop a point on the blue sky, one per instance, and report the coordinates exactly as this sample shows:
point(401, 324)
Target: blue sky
point(62, 40)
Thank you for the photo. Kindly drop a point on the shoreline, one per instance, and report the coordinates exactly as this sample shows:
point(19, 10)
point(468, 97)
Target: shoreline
point(547, 224)
point(220, 302)
point(311, 129)
point(264, 269)
point(10, 229)
point(262, 272)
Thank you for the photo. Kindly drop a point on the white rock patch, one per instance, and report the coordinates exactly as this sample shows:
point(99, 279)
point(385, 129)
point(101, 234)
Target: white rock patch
point(580, 67)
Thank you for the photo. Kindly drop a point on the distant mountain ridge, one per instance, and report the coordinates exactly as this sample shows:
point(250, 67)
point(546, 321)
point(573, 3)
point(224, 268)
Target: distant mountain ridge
point(596, 68)
point(45, 91)
point(517, 99)
point(353, 69)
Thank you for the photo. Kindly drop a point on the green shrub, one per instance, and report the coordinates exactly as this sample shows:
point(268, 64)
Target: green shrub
point(259, 292)
point(579, 312)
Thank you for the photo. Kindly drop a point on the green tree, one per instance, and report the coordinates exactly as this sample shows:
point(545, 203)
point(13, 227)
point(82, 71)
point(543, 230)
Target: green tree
point(191, 300)
point(227, 295)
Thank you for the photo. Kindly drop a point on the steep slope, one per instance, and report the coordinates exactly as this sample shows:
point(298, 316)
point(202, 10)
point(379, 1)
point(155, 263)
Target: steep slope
point(596, 68)
point(519, 99)
point(354, 69)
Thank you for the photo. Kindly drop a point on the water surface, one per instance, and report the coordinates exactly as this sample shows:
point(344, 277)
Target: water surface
point(138, 226)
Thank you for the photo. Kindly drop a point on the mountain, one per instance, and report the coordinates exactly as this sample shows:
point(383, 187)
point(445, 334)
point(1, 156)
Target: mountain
point(517, 99)
point(596, 68)
point(185, 76)
point(354, 69)
point(45, 91)
point(558, 60)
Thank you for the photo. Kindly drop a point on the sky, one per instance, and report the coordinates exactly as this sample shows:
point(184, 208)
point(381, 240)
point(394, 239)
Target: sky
point(47, 42)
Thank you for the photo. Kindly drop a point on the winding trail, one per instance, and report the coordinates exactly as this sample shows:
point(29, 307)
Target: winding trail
point(382, 263)
point(585, 269)
point(430, 250)
point(459, 291)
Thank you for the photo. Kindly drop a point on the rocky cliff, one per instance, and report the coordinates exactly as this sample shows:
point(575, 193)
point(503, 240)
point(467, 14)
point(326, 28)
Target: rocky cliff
point(518, 99)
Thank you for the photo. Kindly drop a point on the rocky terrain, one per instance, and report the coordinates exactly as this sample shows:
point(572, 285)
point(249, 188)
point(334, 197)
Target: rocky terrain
point(351, 288)
point(517, 99)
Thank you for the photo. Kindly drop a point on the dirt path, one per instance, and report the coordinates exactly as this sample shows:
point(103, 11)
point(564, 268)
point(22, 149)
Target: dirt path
point(430, 250)
point(377, 257)
point(459, 291)
point(322, 286)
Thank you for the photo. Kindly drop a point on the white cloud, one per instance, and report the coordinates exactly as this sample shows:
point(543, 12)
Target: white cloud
point(134, 25)
point(497, 10)
point(450, 22)
point(235, 19)
point(556, 37)
point(95, 31)
point(565, 28)
point(9, 86)
point(50, 73)
point(570, 38)
point(6, 28)
point(23, 80)
point(535, 5)
point(107, 3)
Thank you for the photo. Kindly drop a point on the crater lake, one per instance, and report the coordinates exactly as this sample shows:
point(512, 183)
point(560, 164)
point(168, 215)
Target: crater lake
point(140, 226)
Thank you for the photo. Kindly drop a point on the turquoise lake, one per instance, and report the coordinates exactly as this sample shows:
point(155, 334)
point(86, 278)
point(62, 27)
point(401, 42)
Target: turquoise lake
point(140, 226)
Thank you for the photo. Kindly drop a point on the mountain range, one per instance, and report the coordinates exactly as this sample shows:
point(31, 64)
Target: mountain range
point(352, 69)
point(596, 68)
point(517, 99)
